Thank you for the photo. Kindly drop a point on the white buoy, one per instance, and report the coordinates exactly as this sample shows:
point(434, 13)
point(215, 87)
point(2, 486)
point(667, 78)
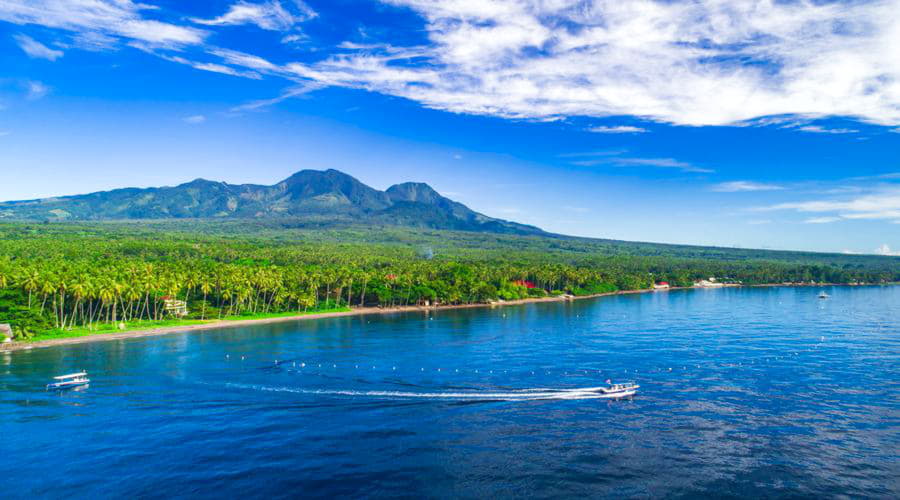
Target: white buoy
point(302, 365)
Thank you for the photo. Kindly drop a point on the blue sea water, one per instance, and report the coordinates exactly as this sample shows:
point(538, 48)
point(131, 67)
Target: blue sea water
point(766, 392)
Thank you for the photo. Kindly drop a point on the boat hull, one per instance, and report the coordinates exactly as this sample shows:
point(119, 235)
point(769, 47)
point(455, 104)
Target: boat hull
point(58, 386)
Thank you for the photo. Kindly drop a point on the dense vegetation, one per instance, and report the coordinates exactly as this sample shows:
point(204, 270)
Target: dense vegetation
point(63, 276)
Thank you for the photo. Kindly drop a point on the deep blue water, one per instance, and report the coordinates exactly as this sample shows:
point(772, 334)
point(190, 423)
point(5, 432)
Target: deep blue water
point(745, 392)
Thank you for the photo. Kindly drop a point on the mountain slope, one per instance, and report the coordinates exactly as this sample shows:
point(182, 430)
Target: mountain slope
point(323, 195)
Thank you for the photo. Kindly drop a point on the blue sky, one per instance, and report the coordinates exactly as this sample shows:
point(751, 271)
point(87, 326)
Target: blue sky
point(744, 123)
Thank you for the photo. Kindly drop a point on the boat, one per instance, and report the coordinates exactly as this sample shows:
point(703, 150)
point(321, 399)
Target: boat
point(69, 381)
point(823, 295)
point(623, 390)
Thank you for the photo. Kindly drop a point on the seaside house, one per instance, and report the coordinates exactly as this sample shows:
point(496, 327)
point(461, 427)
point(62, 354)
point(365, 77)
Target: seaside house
point(175, 307)
point(525, 283)
point(662, 285)
point(6, 333)
point(710, 283)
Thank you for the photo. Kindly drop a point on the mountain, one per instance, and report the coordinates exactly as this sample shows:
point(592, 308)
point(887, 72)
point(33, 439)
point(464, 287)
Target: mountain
point(327, 195)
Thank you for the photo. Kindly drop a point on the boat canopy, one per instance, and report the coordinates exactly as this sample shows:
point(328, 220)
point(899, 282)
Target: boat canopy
point(71, 375)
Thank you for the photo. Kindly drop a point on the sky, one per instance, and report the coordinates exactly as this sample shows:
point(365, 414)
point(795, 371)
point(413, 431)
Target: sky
point(740, 123)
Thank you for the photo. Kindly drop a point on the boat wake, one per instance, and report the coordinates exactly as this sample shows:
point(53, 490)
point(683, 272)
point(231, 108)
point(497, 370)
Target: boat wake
point(517, 395)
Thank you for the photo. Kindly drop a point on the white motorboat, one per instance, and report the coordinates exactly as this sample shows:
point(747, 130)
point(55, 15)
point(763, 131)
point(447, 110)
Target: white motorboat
point(69, 381)
point(823, 295)
point(614, 390)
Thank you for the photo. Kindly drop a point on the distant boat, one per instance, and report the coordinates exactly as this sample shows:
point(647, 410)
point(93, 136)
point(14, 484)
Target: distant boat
point(617, 390)
point(69, 381)
point(823, 295)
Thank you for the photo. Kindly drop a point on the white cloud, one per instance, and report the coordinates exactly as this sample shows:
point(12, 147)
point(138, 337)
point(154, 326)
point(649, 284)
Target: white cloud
point(36, 90)
point(671, 61)
point(619, 129)
point(816, 129)
point(759, 222)
point(101, 19)
point(295, 91)
point(268, 15)
point(457, 157)
point(886, 250)
point(4, 133)
point(35, 49)
point(821, 220)
point(194, 119)
point(225, 70)
point(645, 162)
point(881, 203)
point(742, 186)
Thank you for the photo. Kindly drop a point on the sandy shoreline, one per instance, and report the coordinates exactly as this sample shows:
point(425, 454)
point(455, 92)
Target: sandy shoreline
point(360, 311)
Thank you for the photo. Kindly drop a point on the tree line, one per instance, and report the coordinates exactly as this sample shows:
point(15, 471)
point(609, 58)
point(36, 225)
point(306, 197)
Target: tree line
point(74, 279)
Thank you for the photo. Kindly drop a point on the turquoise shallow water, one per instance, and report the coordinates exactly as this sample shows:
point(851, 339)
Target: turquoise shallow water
point(745, 392)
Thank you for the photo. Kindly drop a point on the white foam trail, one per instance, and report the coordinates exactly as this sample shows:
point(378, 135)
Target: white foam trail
point(523, 395)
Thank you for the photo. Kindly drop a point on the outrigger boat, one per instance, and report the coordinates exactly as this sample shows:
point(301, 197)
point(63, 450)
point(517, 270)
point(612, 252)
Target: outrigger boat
point(69, 381)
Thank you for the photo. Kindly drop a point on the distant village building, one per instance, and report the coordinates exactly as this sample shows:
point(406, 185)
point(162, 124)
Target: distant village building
point(175, 307)
point(662, 285)
point(525, 283)
point(6, 333)
point(710, 283)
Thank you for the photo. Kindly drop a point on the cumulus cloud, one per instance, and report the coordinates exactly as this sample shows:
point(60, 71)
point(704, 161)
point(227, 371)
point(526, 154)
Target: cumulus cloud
point(886, 250)
point(682, 62)
point(744, 186)
point(268, 15)
point(619, 129)
point(101, 19)
point(35, 49)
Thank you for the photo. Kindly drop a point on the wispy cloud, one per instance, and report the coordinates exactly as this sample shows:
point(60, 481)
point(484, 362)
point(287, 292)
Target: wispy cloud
point(35, 90)
point(672, 62)
point(676, 62)
point(759, 222)
point(619, 129)
point(289, 93)
point(270, 15)
point(821, 220)
point(109, 19)
point(880, 203)
point(744, 186)
point(646, 162)
point(4, 133)
point(817, 129)
point(35, 49)
point(194, 119)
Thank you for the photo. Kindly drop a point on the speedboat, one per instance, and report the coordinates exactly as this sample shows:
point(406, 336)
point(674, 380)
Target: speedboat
point(615, 390)
point(823, 295)
point(69, 381)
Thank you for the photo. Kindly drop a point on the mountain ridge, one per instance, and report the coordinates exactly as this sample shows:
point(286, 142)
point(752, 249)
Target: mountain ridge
point(306, 193)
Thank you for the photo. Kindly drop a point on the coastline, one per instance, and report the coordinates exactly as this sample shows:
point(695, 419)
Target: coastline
point(360, 311)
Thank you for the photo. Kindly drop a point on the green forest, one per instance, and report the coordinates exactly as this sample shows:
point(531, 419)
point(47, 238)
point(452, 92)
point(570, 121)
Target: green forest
point(58, 278)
